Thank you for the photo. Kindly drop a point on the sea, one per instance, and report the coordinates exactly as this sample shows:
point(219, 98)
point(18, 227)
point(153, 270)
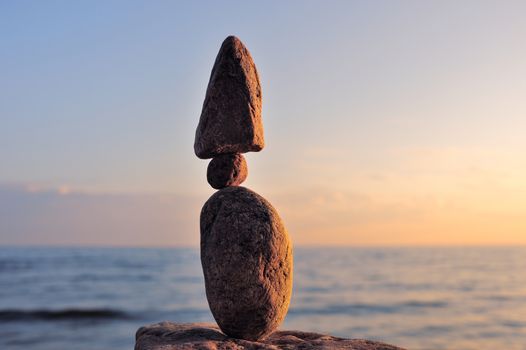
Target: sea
point(418, 298)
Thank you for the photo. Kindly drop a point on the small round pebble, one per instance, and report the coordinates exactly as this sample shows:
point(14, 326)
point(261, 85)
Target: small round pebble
point(227, 170)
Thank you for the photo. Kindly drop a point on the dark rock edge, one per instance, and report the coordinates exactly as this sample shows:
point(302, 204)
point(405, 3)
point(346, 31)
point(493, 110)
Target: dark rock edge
point(170, 336)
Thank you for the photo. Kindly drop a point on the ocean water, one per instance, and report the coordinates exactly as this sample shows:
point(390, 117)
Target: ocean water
point(419, 298)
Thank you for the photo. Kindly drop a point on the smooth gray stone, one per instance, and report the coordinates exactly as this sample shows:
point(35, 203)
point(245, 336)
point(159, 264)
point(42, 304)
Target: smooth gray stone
point(230, 121)
point(246, 255)
point(206, 336)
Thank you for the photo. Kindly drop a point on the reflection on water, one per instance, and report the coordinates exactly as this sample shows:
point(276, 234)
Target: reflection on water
point(420, 298)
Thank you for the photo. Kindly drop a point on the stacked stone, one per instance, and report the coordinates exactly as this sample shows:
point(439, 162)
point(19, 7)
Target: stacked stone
point(246, 252)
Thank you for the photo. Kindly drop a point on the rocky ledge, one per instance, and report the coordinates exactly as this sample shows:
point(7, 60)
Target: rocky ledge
point(171, 336)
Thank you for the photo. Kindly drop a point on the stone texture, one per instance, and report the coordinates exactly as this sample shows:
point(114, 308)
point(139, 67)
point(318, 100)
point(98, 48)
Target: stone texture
point(227, 170)
point(231, 117)
point(203, 336)
point(247, 263)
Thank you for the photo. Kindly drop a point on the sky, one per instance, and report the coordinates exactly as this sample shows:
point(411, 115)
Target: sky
point(386, 122)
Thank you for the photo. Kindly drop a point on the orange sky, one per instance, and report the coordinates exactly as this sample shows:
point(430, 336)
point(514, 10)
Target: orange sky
point(386, 123)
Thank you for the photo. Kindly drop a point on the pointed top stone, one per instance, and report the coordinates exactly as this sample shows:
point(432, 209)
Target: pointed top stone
point(231, 117)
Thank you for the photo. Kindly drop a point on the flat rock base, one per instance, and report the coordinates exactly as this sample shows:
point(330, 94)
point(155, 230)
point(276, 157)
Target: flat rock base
point(170, 336)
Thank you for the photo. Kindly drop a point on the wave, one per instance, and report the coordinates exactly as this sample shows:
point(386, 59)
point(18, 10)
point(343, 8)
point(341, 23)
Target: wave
point(364, 308)
point(10, 315)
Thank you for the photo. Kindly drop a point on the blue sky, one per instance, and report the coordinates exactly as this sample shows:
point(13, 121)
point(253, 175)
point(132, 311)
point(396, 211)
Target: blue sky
point(416, 108)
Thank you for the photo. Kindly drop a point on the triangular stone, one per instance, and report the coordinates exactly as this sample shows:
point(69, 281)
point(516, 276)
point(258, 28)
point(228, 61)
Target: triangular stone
point(231, 117)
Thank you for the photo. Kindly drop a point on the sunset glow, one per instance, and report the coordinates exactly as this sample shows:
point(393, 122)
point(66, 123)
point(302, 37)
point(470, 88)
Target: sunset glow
point(386, 123)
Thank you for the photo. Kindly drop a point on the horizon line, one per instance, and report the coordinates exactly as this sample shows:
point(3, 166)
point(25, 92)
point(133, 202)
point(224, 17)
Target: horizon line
point(310, 246)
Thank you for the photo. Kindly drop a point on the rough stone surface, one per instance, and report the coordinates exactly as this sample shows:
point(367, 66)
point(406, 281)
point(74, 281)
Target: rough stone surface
point(231, 117)
point(203, 336)
point(246, 255)
point(227, 170)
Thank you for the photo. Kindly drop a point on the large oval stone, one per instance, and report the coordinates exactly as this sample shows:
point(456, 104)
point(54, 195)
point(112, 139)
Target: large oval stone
point(246, 255)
